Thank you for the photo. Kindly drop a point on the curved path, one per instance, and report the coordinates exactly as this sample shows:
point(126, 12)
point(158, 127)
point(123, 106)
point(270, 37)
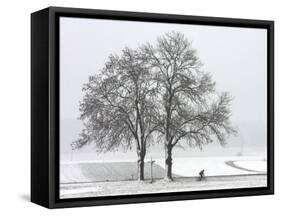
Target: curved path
point(232, 164)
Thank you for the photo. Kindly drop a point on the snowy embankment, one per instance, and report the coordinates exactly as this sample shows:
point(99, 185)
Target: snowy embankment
point(79, 172)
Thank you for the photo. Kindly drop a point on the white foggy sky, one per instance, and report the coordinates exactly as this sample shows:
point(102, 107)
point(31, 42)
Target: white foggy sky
point(236, 58)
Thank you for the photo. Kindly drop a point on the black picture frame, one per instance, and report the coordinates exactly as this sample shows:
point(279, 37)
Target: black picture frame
point(45, 106)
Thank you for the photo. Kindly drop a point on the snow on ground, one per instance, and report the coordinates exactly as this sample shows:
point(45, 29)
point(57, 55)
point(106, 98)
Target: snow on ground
point(216, 166)
point(80, 190)
point(108, 171)
point(92, 171)
point(96, 178)
point(253, 165)
point(96, 189)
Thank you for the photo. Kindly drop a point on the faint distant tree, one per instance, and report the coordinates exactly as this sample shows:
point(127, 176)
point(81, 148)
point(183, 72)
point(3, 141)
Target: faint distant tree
point(191, 112)
point(118, 108)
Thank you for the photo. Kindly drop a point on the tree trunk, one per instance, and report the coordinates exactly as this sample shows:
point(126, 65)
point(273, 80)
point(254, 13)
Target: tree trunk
point(168, 162)
point(140, 168)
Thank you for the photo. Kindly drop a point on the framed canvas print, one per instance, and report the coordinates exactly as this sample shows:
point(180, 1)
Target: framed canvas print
point(139, 107)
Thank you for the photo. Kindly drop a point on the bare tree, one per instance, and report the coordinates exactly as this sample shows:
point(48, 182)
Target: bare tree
point(190, 112)
point(118, 107)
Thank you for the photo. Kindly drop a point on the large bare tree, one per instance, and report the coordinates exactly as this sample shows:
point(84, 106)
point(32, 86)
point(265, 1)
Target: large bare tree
point(190, 111)
point(118, 109)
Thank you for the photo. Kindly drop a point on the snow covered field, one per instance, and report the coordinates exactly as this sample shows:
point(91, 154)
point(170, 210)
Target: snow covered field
point(179, 184)
point(95, 178)
point(72, 172)
point(217, 166)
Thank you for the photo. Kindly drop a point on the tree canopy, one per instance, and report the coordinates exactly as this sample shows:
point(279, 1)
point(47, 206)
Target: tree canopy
point(191, 111)
point(118, 108)
point(154, 91)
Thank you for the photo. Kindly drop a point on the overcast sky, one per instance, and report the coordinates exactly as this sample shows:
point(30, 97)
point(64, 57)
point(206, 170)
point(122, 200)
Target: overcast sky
point(236, 58)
